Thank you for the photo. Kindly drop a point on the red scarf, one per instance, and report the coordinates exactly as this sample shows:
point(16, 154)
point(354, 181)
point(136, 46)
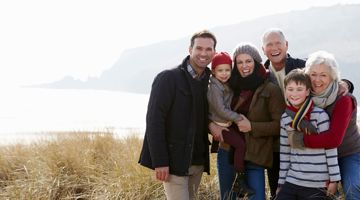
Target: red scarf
point(302, 113)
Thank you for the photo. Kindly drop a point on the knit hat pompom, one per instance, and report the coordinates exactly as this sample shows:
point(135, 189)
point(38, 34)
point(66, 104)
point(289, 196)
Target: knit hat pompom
point(247, 48)
point(220, 58)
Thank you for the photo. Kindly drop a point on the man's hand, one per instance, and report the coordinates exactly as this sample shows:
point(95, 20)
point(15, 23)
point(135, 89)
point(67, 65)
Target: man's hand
point(343, 88)
point(162, 173)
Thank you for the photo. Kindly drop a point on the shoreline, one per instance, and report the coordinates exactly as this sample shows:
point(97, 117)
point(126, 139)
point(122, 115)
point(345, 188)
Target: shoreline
point(31, 137)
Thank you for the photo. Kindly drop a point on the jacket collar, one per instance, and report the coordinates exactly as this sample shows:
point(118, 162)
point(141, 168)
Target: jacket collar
point(186, 67)
point(289, 64)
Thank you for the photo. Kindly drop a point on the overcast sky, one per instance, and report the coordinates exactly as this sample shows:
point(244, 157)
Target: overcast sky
point(45, 40)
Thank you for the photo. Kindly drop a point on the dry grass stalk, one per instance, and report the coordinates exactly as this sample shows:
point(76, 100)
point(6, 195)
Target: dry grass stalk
point(83, 165)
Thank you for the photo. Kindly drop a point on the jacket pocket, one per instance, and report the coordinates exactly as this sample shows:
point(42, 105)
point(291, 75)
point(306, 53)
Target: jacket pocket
point(185, 92)
point(183, 103)
point(177, 157)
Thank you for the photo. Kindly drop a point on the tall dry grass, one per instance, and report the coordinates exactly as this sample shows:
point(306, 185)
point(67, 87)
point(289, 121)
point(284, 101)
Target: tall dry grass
point(83, 165)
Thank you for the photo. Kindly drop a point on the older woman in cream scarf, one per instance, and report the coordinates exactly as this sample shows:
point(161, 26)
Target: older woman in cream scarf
point(342, 109)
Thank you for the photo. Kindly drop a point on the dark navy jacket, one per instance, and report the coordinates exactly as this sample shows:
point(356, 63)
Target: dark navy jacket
point(170, 128)
point(291, 63)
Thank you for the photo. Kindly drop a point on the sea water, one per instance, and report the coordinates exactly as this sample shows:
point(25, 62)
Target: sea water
point(29, 113)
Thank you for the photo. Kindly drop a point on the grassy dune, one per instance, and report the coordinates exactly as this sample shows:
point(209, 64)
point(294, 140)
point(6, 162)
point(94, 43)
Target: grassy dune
point(83, 166)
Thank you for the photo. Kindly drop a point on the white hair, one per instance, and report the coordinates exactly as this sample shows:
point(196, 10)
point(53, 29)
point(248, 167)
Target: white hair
point(273, 30)
point(326, 58)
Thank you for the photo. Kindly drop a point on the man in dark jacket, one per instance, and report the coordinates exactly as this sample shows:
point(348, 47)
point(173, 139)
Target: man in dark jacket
point(279, 63)
point(176, 138)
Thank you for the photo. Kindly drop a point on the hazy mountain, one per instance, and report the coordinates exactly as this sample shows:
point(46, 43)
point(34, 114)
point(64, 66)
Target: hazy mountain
point(332, 29)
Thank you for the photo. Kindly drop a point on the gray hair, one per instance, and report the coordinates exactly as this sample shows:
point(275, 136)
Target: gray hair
point(273, 30)
point(326, 58)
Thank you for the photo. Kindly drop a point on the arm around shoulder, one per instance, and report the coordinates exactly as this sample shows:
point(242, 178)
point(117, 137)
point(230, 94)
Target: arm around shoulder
point(339, 122)
point(349, 84)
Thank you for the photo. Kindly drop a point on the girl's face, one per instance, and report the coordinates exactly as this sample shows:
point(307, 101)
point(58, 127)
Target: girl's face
point(296, 93)
point(222, 72)
point(320, 77)
point(245, 64)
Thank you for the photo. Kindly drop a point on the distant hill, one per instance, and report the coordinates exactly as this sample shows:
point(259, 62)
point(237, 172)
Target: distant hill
point(333, 29)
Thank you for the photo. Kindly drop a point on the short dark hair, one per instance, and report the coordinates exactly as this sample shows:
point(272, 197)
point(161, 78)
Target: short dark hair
point(299, 77)
point(203, 34)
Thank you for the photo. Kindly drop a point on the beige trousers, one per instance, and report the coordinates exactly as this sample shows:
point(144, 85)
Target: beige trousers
point(184, 187)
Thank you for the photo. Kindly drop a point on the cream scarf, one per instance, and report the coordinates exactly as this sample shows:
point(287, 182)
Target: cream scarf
point(327, 97)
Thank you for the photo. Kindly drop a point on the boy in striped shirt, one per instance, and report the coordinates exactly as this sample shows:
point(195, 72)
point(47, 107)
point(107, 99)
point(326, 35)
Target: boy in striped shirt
point(305, 173)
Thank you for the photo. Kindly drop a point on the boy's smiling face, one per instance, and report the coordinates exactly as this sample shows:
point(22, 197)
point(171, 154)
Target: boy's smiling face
point(296, 93)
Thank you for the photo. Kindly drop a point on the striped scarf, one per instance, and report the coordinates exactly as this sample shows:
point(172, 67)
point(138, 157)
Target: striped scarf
point(301, 116)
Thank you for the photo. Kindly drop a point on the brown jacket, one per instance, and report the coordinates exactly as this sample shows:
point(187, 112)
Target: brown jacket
point(264, 115)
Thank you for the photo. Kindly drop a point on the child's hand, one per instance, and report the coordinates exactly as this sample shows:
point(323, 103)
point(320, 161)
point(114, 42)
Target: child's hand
point(237, 123)
point(278, 190)
point(244, 125)
point(296, 139)
point(331, 189)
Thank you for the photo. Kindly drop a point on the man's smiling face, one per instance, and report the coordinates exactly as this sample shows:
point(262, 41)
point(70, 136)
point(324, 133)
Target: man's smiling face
point(275, 48)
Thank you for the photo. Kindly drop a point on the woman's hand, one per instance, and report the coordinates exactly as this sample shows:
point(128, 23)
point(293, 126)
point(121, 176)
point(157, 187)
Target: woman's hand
point(216, 131)
point(244, 125)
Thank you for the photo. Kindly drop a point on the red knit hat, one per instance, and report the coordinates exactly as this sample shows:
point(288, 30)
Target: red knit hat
point(220, 58)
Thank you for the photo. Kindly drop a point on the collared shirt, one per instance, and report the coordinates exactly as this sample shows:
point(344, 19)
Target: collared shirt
point(280, 76)
point(193, 73)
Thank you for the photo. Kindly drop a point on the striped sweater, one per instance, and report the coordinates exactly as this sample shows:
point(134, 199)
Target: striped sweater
point(307, 167)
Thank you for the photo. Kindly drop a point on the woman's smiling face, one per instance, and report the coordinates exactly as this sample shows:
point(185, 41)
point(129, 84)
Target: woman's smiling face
point(320, 77)
point(245, 64)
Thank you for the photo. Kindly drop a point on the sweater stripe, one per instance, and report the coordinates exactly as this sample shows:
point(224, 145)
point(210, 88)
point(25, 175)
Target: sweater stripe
point(307, 167)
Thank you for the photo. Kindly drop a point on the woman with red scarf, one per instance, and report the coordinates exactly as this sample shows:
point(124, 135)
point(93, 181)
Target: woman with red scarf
point(259, 102)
